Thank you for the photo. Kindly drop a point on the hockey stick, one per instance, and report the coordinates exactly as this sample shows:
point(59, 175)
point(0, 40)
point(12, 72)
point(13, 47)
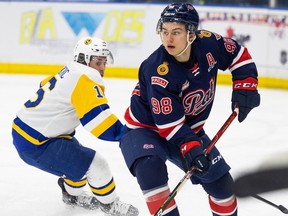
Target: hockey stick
point(280, 207)
point(190, 172)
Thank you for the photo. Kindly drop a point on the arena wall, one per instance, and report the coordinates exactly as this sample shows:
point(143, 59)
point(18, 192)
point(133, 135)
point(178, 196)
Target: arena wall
point(39, 37)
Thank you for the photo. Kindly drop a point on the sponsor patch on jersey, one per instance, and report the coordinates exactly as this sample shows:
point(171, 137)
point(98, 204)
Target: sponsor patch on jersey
point(159, 81)
point(163, 69)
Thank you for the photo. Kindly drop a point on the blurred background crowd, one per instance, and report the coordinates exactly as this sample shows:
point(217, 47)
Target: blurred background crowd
point(264, 3)
point(247, 3)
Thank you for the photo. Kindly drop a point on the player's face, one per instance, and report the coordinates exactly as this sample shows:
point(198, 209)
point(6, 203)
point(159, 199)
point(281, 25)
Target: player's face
point(174, 37)
point(98, 63)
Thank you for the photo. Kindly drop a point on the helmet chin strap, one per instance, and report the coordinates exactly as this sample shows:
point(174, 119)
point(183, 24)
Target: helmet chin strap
point(187, 45)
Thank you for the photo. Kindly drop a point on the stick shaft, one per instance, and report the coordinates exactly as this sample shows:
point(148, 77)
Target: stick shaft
point(190, 172)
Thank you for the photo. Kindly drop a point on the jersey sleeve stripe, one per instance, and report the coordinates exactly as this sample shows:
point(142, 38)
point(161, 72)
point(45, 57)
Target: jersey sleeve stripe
point(198, 126)
point(172, 124)
point(133, 123)
point(104, 125)
point(95, 115)
point(243, 58)
point(240, 53)
point(98, 120)
point(169, 130)
point(240, 64)
point(173, 132)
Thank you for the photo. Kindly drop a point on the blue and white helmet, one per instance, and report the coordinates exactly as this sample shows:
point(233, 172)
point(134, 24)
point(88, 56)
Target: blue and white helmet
point(88, 47)
point(179, 12)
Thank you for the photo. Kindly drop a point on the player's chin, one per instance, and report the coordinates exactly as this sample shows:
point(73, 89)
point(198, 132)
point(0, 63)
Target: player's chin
point(171, 51)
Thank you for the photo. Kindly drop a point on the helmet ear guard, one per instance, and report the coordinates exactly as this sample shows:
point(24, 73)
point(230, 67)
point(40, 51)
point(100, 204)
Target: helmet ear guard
point(88, 47)
point(80, 58)
point(182, 13)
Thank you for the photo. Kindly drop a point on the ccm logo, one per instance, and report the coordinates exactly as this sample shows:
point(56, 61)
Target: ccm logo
point(216, 159)
point(245, 85)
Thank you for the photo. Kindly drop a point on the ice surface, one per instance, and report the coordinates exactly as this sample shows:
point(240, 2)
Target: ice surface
point(27, 191)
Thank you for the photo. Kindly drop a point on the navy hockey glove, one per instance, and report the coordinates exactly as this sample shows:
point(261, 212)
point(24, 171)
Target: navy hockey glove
point(246, 96)
point(193, 155)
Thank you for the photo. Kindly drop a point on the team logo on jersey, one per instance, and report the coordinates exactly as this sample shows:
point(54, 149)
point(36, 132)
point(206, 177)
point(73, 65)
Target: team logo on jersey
point(159, 81)
point(163, 69)
point(204, 33)
point(88, 41)
point(185, 85)
point(148, 146)
point(195, 102)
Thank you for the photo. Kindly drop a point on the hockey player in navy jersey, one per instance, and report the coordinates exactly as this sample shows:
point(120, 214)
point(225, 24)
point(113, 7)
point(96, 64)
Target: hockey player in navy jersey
point(172, 101)
point(43, 130)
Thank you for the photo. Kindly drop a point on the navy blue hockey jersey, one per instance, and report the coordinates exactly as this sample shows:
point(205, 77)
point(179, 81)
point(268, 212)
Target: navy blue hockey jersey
point(176, 98)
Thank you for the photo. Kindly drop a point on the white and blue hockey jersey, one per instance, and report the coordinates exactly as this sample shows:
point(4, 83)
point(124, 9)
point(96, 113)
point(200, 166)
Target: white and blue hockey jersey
point(75, 95)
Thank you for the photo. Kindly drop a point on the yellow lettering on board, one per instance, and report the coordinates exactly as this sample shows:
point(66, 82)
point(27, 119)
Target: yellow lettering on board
point(124, 26)
point(47, 25)
point(28, 21)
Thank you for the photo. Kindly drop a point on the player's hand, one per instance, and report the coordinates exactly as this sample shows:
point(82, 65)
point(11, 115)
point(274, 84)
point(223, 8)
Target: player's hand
point(193, 155)
point(201, 162)
point(245, 95)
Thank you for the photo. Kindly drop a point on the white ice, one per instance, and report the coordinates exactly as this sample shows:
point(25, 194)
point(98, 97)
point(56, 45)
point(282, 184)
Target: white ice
point(27, 191)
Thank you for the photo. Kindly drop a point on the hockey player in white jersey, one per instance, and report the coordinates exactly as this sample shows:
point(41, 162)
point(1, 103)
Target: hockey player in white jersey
point(43, 130)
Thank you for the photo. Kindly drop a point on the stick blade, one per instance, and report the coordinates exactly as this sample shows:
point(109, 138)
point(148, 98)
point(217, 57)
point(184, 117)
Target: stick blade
point(283, 209)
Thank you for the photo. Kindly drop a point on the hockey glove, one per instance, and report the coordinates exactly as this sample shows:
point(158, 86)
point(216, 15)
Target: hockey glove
point(193, 155)
point(246, 96)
